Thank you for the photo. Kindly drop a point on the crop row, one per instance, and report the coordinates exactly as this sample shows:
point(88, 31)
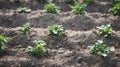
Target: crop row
point(78, 8)
point(39, 48)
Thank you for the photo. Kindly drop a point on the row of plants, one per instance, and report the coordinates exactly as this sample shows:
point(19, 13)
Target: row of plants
point(39, 46)
point(78, 8)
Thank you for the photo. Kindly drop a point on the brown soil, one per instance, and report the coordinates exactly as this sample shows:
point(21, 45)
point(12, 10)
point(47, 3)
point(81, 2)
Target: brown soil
point(66, 51)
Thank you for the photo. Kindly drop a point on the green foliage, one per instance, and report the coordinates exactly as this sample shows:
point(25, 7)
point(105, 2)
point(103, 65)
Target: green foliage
point(38, 49)
point(79, 8)
point(89, 1)
point(26, 28)
point(105, 30)
point(115, 2)
point(23, 10)
point(115, 10)
point(70, 1)
point(56, 30)
point(3, 40)
point(100, 49)
point(51, 8)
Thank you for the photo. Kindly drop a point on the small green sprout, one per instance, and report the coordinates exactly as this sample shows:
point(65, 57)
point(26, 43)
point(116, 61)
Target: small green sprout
point(104, 30)
point(56, 30)
point(26, 28)
point(38, 49)
point(78, 8)
point(3, 40)
point(52, 8)
point(23, 10)
point(115, 10)
point(100, 49)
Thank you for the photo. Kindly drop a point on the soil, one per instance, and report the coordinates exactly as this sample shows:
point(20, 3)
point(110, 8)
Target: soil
point(65, 51)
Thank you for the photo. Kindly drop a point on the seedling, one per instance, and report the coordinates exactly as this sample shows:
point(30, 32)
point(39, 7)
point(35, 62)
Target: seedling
point(79, 8)
point(56, 30)
point(52, 8)
point(23, 10)
point(26, 28)
point(115, 2)
point(89, 1)
point(38, 49)
point(104, 30)
point(100, 49)
point(70, 1)
point(115, 10)
point(3, 40)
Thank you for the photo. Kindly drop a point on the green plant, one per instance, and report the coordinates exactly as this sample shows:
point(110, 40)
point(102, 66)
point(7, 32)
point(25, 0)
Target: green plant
point(104, 30)
point(51, 8)
point(38, 49)
point(3, 40)
point(115, 10)
point(115, 2)
point(23, 10)
point(100, 49)
point(79, 8)
point(56, 30)
point(70, 1)
point(26, 28)
point(89, 1)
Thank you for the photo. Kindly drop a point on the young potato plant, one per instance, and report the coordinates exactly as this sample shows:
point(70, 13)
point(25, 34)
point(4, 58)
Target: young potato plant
point(70, 1)
point(100, 49)
point(115, 10)
point(3, 40)
point(23, 10)
point(38, 49)
point(115, 2)
point(26, 28)
point(52, 8)
point(78, 8)
point(89, 1)
point(56, 30)
point(105, 30)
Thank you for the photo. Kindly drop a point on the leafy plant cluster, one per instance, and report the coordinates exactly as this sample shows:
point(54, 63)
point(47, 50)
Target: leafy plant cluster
point(3, 40)
point(79, 8)
point(56, 30)
point(26, 28)
point(100, 49)
point(23, 10)
point(52, 8)
point(38, 49)
point(115, 10)
point(104, 30)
